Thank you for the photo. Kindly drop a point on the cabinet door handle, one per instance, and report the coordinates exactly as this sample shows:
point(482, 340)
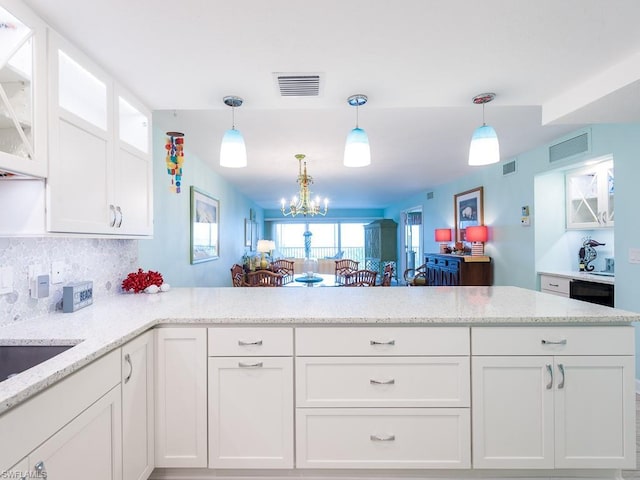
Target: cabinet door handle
point(561, 382)
point(550, 371)
point(382, 382)
point(119, 210)
point(127, 358)
point(250, 365)
point(242, 343)
point(41, 471)
point(554, 285)
point(385, 438)
point(112, 209)
point(550, 342)
point(388, 342)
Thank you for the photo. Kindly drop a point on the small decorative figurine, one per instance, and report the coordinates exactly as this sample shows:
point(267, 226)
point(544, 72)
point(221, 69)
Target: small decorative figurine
point(587, 254)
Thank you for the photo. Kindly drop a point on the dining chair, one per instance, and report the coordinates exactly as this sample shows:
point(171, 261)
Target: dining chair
point(416, 277)
point(360, 278)
point(386, 275)
point(237, 276)
point(284, 268)
point(344, 267)
point(264, 278)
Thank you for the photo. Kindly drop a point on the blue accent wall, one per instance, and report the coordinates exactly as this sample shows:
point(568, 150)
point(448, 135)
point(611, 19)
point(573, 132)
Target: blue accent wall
point(513, 247)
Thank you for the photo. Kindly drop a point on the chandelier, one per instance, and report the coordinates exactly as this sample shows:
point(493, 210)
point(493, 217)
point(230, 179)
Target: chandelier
point(302, 204)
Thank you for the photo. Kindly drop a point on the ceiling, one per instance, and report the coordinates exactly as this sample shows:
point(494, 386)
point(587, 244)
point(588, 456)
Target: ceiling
point(554, 66)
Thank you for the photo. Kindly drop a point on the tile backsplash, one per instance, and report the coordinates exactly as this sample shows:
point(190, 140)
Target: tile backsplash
point(104, 261)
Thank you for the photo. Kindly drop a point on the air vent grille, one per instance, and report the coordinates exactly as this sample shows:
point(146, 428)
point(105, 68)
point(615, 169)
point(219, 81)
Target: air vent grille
point(429, 195)
point(294, 85)
point(509, 168)
point(569, 148)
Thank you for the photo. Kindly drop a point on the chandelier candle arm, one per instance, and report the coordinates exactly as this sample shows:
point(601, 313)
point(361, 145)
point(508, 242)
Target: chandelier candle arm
point(303, 204)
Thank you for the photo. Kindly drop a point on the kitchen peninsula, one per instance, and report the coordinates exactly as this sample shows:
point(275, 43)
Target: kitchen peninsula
point(396, 380)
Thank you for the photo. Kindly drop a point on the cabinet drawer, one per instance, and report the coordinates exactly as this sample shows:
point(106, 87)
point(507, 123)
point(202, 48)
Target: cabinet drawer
point(250, 341)
point(382, 382)
point(383, 438)
point(552, 340)
point(555, 284)
point(374, 341)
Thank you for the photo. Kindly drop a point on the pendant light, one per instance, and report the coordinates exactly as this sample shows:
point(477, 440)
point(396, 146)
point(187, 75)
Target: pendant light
point(356, 150)
point(233, 153)
point(484, 148)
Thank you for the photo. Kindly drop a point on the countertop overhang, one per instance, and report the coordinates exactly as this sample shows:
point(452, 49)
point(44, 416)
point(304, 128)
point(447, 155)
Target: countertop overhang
point(112, 321)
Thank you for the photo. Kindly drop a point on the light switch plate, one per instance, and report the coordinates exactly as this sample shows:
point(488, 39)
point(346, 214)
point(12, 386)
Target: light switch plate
point(634, 255)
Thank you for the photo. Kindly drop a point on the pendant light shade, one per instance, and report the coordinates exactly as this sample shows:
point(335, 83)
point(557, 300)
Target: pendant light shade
point(484, 148)
point(233, 153)
point(356, 151)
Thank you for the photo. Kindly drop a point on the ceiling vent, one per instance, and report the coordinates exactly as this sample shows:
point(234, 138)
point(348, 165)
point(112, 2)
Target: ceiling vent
point(298, 84)
point(509, 168)
point(570, 147)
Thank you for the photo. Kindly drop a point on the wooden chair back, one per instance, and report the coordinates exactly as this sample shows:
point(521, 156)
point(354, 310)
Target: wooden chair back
point(386, 275)
point(284, 268)
point(361, 278)
point(416, 276)
point(237, 276)
point(264, 278)
point(343, 267)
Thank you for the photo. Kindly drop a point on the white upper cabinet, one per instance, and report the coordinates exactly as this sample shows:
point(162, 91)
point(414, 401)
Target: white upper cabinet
point(589, 194)
point(23, 134)
point(100, 177)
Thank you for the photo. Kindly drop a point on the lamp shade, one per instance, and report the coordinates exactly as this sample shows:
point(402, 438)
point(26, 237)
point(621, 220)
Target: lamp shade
point(443, 234)
point(479, 233)
point(484, 148)
point(356, 151)
point(233, 153)
point(264, 246)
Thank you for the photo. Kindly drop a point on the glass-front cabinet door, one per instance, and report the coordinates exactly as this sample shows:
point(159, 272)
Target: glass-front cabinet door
point(22, 89)
point(589, 194)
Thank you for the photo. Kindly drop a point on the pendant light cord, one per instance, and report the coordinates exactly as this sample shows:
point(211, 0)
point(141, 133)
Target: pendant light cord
point(233, 117)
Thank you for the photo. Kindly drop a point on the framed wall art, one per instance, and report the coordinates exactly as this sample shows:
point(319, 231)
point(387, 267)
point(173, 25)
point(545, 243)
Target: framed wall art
point(468, 210)
point(247, 233)
point(205, 226)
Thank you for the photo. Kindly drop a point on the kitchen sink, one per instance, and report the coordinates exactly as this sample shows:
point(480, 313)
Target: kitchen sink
point(18, 358)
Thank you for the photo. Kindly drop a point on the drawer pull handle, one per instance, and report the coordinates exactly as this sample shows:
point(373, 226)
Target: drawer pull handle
point(561, 382)
point(388, 342)
point(382, 382)
point(554, 285)
point(250, 365)
point(386, 438)
point(242, 343)
point(549, 342)
point(550, 370)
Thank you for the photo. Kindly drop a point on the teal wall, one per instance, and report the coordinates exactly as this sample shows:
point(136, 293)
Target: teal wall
point(512, 246)
point(168, 251)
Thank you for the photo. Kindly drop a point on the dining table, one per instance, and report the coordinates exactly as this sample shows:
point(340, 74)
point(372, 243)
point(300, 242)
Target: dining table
point(315, 280)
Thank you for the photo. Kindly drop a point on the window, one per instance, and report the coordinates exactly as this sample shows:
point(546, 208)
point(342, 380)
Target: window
point(327, 240)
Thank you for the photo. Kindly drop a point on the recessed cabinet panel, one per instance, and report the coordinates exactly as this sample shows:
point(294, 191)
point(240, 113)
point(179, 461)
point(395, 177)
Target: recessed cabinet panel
point(590, 194)
point(133, 126)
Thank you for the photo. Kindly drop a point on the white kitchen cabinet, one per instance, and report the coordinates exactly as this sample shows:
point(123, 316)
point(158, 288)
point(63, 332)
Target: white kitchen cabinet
point(251, 397)
point(138, 408)
point(555, 285)
point(562, 409)
point(181, 397)
point(251, 412)
point(89, 446)
point(382, 374)
point(100, 177)
point(23, 78)
point(589, 196)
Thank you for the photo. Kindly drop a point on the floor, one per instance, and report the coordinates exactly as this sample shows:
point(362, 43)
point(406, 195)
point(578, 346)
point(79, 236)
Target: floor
point(635, 473)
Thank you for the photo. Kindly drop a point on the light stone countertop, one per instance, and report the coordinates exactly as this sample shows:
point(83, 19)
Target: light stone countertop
point(110, 322)
point(587, 276)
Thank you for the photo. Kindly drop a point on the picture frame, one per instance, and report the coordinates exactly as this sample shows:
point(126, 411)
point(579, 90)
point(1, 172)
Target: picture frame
point(247, 233)
point(205, 226)
point(468, 210)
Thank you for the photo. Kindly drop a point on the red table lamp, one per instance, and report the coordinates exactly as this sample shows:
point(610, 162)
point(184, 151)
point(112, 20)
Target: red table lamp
point(443, 235)
point(477, 236)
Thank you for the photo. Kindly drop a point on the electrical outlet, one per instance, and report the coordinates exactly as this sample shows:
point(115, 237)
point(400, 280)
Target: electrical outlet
point(57, 272)
point(525, 221)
